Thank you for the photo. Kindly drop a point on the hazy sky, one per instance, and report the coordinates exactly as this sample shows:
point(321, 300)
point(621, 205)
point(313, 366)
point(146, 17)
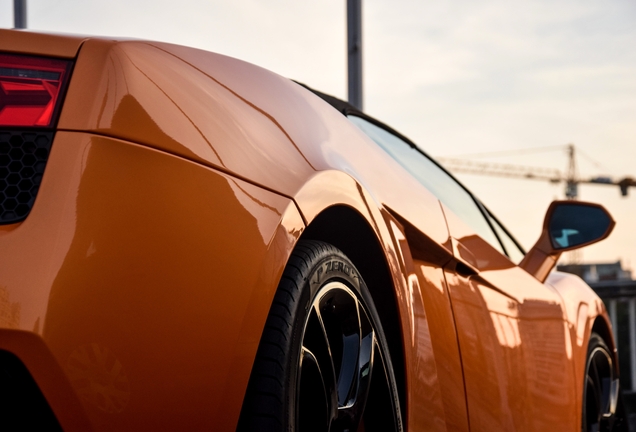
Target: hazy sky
point(457, 77)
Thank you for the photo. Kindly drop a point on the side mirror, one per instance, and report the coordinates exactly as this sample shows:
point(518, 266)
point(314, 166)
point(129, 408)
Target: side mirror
point(568, 225)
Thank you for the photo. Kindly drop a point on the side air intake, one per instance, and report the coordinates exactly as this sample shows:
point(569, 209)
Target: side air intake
point(23, 157)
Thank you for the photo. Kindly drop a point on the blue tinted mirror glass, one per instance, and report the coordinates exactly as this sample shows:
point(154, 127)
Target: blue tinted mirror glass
point(572, 225)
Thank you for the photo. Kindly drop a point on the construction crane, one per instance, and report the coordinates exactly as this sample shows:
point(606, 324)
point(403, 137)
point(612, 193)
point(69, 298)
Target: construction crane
point(570, 178)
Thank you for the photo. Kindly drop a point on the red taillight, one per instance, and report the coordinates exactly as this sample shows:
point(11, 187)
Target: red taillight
point(30, 90)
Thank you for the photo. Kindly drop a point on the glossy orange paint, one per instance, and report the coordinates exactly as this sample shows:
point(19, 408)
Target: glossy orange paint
point(132, 287)
point(582, 310)
point(54, 45)
point(437, 392)
point(116, 91)
point(171, 202)
point(514, 341)
point(315, 161)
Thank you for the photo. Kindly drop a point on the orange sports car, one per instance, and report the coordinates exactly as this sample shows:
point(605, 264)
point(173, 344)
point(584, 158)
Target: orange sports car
point(190, 242)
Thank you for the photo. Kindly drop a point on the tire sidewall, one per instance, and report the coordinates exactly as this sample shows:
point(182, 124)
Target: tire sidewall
point(333, 266)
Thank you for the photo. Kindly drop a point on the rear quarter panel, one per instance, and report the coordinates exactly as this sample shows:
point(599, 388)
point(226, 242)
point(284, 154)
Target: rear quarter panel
point(262, 128)
point(236, 117)
point(147, 276)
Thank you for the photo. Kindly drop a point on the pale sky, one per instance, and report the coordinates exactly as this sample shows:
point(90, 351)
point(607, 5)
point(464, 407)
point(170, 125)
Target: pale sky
point(457, 77)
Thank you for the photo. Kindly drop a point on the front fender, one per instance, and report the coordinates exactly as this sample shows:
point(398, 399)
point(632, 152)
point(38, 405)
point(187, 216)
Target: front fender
point(582, 308)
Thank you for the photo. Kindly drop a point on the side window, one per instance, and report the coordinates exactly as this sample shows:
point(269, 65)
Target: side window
point(514, 251)
point(435, 179)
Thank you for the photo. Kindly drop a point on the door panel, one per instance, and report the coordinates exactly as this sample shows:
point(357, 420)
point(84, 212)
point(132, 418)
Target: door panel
point(512, 336)
point(436, 388)
point(443, 340)
point(491, 355)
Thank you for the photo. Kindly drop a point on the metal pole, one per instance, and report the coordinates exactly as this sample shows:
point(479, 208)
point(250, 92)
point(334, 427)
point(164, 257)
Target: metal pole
point(572, 181)
point(612, 314)
point(632, 339)
point(19, 14)
point(354, 52)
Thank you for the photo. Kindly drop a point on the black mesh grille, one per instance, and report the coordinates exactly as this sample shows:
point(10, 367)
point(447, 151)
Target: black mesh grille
point(23, 156)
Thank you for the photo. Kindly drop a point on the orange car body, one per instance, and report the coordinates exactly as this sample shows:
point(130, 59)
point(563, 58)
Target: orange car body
point(178, 183)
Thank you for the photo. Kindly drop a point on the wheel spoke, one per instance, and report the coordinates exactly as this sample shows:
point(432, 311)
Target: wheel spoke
point(380, 410)
point(313, 405)
point(598, 405)
point(351, 413)
point(317, 342)
point(308, 361)
point(591, 405)
point(338, 311)
point(340, 336)
point(347, 376)
point(598, 387)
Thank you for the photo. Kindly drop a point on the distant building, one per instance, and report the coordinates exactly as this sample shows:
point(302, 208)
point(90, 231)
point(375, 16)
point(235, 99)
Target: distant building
point(592, 273)
point(609, 280)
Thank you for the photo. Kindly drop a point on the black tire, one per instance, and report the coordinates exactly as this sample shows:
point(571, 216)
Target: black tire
point(323, 362)
point(600, 391)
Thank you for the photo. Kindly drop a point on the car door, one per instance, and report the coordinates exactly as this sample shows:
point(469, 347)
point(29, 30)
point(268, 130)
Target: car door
point(513, 339)
point(510, 330)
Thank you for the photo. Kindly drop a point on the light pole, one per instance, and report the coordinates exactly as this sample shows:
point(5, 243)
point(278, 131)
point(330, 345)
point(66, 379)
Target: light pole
point(19, 14)
point(354, 52)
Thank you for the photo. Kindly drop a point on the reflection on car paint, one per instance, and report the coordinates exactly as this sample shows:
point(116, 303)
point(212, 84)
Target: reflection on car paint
point(99, 377)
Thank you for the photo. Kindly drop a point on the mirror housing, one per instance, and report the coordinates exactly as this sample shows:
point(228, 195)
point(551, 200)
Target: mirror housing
point(568, 225)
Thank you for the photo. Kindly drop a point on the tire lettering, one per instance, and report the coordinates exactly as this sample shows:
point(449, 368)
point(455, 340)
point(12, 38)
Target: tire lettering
point(337, 266)
point(318, 274)
point(334, 266)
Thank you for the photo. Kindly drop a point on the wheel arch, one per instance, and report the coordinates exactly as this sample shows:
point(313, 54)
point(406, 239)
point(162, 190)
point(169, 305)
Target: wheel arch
point(601, 327)
point(349, 231)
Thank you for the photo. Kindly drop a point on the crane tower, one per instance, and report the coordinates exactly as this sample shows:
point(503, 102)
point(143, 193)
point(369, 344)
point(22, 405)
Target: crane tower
point(571, 179)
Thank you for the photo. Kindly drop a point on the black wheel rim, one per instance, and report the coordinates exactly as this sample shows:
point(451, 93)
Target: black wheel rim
point(598, 405)
point(343, 381)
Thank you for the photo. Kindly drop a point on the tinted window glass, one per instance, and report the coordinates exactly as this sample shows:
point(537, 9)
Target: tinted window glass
point(444, 187)
point(514, 252)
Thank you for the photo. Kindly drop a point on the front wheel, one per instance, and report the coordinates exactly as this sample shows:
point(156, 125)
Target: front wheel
point(323, 362)
point(600, 391)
